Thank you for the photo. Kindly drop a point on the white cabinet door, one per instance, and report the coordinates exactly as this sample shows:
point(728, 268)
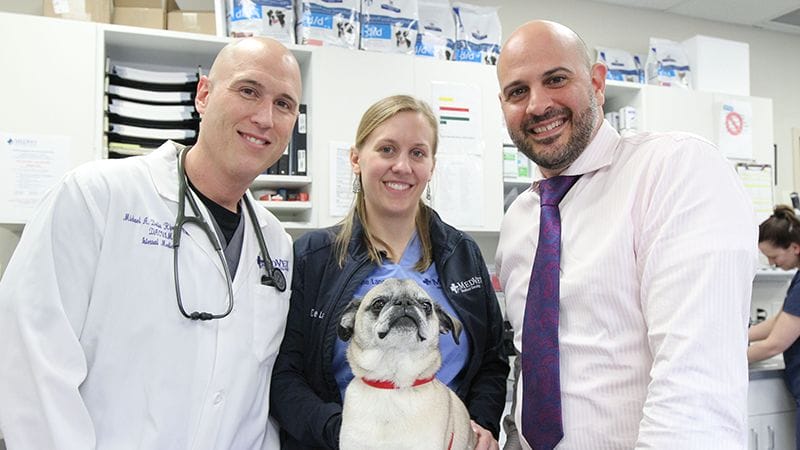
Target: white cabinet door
point(768, 396)
point(772, 431)
point(468, 193)
point(49, 89)
point(771, 421)
point(674, 109)
point(344, 83)
point(347, 82)
point(760, 125)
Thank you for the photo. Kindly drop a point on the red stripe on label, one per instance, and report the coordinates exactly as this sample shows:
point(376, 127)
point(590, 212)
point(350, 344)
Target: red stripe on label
point(451, 108)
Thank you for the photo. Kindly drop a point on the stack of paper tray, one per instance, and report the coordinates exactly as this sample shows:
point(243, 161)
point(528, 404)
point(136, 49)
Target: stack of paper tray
point(144, 108)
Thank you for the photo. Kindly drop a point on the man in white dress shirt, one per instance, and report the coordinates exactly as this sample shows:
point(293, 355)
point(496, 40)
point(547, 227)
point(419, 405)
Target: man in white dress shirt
point(657, 258)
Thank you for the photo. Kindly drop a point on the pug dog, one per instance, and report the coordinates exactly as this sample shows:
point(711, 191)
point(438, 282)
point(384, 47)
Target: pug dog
point(395, 401)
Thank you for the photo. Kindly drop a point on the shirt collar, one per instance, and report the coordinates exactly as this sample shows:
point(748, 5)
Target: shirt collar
point(597, 155)
point(163, 167)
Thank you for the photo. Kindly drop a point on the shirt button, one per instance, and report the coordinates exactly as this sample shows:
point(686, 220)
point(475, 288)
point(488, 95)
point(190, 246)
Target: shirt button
point(219, 397)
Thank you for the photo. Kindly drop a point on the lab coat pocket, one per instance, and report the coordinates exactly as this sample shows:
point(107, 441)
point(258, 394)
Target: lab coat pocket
point(269, 321)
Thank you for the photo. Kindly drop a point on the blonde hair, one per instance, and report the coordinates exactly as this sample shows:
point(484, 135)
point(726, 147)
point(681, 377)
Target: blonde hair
point(373, 117)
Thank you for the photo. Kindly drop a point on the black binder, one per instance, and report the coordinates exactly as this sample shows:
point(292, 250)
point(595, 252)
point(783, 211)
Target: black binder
point(298, 151)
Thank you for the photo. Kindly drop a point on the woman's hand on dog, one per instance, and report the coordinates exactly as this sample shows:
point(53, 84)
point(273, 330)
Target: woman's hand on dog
point(485, 439)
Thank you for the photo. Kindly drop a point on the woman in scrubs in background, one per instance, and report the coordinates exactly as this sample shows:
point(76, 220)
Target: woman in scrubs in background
point(779, 241)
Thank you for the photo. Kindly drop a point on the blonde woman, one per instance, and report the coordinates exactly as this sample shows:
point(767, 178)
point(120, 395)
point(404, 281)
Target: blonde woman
point(389, 232)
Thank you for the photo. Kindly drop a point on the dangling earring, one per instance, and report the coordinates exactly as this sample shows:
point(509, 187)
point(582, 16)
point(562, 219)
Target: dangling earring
point(428, 191)
point(357, 184)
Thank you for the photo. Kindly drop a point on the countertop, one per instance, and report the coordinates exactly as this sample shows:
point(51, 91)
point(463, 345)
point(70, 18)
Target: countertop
point(769, 368)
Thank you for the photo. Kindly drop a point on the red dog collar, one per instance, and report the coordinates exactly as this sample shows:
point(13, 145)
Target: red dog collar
point(383, 384)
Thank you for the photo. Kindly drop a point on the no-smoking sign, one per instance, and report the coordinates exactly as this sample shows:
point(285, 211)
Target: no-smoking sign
point(734, 129)
point(734, 123)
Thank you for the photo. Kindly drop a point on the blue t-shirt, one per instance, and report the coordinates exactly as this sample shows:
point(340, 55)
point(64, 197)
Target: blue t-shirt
point(791, 357)
point(454, 357)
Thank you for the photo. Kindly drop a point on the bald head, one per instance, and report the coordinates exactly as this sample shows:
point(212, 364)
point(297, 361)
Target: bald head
point(551, 94)
point(248, 103)
point(549, 36)
point(242, 52)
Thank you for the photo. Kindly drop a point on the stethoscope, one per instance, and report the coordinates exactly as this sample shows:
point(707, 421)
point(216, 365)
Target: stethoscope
point(272, 276)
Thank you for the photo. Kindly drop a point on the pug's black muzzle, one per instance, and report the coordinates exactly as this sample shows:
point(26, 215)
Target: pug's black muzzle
point(404, 317)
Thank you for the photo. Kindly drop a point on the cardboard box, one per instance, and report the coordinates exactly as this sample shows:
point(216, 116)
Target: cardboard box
point(192, 5)
point(719, 65)
point(181, 18)
point(90, 10)
point(202, 22)
point(140, 13)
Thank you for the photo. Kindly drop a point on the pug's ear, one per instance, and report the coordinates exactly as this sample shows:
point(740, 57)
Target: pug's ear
point(448, 323)
point(348, 320)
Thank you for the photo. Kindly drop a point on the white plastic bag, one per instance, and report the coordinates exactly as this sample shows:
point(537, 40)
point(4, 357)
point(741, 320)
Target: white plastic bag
point(437, 30)
point(622, 66)
point(668, 64)
point(478, 33)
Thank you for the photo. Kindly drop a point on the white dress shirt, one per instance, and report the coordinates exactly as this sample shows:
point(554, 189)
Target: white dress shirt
point(659, 246)
point(95, 353)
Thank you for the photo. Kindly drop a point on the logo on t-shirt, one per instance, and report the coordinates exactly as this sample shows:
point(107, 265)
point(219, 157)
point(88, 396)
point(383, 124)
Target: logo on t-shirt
point(427, 281)
point(461, 287)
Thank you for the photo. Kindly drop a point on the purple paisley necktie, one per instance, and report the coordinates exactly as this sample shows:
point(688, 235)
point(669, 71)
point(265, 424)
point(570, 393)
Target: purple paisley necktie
point(541, 386)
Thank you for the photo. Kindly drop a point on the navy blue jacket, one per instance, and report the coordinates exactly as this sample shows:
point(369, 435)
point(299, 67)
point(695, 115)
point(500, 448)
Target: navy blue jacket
point(304, 397)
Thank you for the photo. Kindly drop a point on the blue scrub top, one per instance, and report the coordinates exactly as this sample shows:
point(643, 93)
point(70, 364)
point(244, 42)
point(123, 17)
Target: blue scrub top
point(791, 357)
point(454, 357)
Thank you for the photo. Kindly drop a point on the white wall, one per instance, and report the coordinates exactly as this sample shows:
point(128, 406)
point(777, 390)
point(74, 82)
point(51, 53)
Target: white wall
point(774, 56)
point(9, 237)
point(774, 59)
point(22, 6)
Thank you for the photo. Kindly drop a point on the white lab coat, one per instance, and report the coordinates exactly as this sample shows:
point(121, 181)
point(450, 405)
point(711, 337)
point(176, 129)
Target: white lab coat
point(94, 352)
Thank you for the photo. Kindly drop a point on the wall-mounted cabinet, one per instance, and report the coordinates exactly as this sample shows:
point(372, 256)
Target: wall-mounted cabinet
point(338, 85)
point(674, 109)
point(57, 88)
point(172, 51)
point(63, 93)
point(661, 109)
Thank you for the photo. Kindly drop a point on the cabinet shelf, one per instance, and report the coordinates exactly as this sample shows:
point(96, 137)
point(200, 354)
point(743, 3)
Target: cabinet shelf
point(295, 214)
point(526, 181)
point(615, 87)
point(285, 205)
point(298, 225)
point(777, 275)
point(281, 181)
point(158, 49)
point(621, 93)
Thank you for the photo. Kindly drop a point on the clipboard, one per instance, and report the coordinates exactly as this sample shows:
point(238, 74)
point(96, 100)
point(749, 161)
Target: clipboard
point(757, 181)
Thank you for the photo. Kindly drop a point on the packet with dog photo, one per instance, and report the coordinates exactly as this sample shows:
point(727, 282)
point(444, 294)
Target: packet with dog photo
point(389, 26)
point(328, 23)
point(271, 18)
